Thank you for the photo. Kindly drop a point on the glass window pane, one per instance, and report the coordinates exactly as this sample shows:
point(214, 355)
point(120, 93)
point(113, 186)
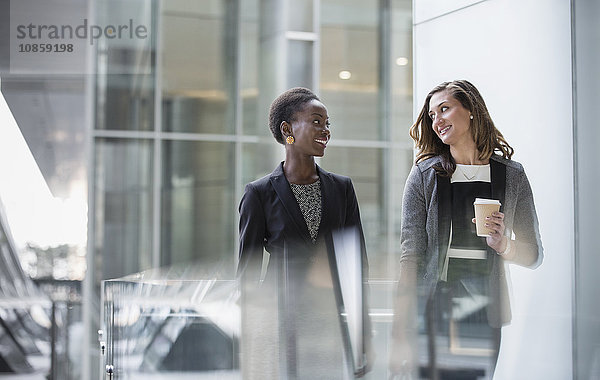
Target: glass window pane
point(353, 115)
point(125, 102)
point(300, 15)
point(198, 203)
point(125, 66)
point(350, 67)
point(260, 159)
point(364, 166)
point(253, 119)
point(401, 71)
point(300, 68)
point(123, 209)
point(197, 68)
point(130, 48)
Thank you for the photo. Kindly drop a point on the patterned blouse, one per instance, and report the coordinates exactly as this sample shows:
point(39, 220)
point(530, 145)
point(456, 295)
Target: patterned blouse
point(309, 200)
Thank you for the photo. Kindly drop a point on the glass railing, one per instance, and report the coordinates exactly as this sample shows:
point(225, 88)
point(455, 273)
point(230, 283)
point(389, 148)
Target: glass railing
point(299, 320)
point(162, 328)
point(183, 324)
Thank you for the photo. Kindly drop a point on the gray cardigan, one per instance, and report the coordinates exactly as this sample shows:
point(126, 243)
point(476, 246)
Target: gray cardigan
point(426, 228)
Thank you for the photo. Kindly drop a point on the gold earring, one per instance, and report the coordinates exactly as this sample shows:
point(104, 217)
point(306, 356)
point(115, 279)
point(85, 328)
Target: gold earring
point(290, 140)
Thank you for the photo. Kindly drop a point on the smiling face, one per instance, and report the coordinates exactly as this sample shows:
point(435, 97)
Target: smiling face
point(310, 128)
point(450, 120)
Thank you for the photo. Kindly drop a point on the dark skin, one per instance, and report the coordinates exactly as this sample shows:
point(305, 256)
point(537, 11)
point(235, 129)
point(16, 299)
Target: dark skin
point(310, 129)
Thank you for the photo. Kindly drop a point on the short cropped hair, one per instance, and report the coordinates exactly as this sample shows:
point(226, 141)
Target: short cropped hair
point(285, 107)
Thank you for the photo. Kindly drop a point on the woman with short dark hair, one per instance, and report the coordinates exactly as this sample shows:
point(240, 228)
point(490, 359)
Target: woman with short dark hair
point(293, 214)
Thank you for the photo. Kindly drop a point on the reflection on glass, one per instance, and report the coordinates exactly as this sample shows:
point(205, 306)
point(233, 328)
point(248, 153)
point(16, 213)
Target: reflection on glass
point(454, 337)
point(292, 322)
point(198, 207)
point(197, 202)
point(161, 325)
point(123, 182)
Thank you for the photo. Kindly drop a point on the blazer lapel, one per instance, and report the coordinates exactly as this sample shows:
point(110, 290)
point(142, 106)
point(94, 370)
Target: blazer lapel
point(327, 200)
point(444, 218)
point(288, 200)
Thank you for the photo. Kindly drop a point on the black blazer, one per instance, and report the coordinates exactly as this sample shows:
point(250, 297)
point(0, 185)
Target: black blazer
point(271, 218)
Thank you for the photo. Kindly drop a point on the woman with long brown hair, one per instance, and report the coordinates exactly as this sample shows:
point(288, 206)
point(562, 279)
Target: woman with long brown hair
point(457, 277)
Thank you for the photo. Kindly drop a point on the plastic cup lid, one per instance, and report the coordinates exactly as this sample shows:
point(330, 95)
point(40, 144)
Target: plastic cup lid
point(483, 201)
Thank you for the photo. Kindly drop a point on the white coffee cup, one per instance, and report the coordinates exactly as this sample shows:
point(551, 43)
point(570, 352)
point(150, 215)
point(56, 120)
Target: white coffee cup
point(484, 208)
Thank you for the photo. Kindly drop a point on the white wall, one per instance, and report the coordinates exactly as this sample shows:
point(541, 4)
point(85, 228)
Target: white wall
point(518, 54)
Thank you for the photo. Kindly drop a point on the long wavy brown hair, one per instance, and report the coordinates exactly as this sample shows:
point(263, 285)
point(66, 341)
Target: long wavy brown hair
point(487, 137)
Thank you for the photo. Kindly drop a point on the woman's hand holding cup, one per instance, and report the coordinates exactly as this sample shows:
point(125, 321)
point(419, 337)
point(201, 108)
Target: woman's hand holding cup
point(490, 223)
point(495, 224)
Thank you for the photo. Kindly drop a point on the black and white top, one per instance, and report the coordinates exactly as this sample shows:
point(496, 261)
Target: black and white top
point(467, 183)
point(309, 200)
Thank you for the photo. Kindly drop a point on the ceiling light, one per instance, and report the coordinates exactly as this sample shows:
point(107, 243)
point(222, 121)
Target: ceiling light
point(401, 61)
point(345, 74)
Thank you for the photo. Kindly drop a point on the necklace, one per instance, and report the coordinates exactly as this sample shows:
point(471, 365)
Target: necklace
point(469, 171)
